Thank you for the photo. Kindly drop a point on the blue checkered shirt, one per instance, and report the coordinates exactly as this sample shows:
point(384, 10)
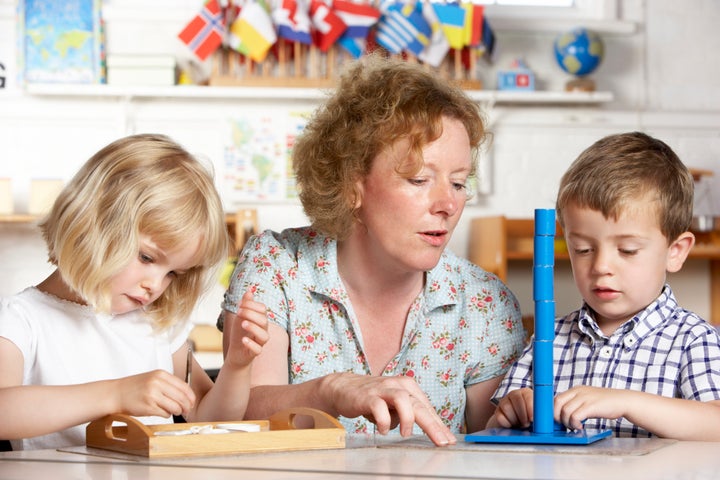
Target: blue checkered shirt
point(664, 349)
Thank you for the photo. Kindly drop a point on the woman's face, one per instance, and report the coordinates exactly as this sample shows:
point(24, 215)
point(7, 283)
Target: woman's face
point(408, 222)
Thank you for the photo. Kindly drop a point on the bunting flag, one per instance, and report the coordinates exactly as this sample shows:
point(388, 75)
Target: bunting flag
point(452, 19)
point(204, 34)
point(437, 50)
point(293, 21)
point(328, 27)
point(358, 18)
point(472, 31)
point(253, 33)
point(419, 28)
point(354, 46)
point(488, 39)
point(390, 34)
point(403, 27)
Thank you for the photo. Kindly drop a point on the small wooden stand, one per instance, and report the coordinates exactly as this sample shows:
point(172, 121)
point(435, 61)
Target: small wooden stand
point(301, 66)
point(278, 433)
point(580, 84)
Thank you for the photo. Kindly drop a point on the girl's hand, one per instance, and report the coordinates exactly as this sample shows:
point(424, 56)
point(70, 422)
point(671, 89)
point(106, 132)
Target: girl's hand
point(246, 331)
point(157, 393)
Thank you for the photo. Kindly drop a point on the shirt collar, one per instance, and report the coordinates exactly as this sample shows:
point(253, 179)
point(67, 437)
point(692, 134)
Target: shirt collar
point(442, 285)
point(639, 326)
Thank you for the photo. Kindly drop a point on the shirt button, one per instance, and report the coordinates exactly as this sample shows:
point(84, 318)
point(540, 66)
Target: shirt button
point(629, 341)
point(606, 352)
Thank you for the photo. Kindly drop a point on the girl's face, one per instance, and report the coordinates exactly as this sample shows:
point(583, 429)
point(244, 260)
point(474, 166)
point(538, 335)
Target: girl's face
point(147, 276)
point(619, 265)
point(408, 222)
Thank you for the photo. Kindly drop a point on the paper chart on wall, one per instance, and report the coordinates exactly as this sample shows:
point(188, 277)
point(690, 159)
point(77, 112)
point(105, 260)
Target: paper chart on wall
point(257, 163)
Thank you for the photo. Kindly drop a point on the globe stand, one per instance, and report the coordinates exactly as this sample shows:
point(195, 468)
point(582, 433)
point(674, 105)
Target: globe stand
point(580, 84)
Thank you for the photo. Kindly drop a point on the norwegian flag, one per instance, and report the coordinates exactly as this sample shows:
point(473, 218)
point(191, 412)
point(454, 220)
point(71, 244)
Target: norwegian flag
point(328, 26)
point(204, 34)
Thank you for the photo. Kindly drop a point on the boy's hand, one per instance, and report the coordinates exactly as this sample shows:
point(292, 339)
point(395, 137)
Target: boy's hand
point(515, 410)
point(247, 331)
point(574, 406)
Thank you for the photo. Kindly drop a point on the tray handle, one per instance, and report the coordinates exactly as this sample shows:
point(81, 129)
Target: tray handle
point(102, 433)
point(285, 419)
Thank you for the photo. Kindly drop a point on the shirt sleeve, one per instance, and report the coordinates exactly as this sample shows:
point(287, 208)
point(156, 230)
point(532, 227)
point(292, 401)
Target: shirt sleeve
point(15, 327)
point(494, 311)
point(519, 375)
point(264, 267)
point(700, 376)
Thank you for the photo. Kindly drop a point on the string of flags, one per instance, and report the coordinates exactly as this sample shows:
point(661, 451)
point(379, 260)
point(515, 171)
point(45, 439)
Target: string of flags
point(427, 29)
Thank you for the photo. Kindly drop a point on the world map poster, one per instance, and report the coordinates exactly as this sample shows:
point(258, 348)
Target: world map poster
point(257, 164)
point(61, 41)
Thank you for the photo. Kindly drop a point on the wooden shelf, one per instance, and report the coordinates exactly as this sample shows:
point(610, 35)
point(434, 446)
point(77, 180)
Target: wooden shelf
point(239, 224)
point(283, 93)
point(495, 241)
point(18, 218)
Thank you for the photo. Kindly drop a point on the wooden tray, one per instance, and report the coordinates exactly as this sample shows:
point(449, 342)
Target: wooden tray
point(278, 433)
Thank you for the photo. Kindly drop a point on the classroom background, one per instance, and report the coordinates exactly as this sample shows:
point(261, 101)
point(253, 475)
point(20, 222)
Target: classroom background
point(659, 74)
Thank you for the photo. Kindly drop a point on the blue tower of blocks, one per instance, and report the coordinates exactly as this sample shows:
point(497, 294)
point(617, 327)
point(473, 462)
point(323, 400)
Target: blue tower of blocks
point(544, 429)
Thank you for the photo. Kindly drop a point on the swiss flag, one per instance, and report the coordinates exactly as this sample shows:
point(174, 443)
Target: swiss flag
point(204, 34)
point(328, 25)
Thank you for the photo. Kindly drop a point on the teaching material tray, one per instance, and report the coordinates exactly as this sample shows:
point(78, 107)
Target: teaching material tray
point(126, 434)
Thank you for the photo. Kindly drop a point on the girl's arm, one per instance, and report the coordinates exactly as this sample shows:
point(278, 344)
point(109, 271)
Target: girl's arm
point(244, 336)
point(32, 410)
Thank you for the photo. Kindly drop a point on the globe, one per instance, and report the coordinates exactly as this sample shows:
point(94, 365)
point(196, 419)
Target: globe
point(579, 51)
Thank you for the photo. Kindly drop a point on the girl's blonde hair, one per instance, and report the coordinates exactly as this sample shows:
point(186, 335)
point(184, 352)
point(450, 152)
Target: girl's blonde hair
point(378, 102)
point(138, 185)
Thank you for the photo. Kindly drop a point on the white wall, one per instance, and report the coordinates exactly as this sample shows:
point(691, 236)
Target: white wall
point(664, 78)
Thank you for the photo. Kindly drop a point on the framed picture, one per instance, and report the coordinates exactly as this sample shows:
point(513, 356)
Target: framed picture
point(61, 42)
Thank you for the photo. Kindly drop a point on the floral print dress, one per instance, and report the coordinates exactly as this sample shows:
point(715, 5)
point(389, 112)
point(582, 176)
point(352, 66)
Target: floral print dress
point(464, 328)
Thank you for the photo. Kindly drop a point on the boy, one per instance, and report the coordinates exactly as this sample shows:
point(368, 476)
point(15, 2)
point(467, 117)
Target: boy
point(631, 359)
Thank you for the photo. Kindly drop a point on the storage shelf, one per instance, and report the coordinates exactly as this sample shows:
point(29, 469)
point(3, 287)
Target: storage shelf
point(18, 218)
point(282, 93)
point(496, 241)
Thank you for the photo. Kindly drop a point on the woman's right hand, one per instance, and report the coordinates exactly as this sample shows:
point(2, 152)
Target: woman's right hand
point(155, 393)
point(387, 402)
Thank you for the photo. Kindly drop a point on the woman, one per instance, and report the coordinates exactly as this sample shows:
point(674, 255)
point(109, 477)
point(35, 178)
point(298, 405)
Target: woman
point(371, 319)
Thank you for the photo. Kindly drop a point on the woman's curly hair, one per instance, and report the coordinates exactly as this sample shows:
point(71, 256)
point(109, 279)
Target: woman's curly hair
point(378, 101)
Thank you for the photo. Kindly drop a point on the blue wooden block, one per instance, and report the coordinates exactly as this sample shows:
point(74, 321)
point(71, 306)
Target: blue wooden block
point(544, 429)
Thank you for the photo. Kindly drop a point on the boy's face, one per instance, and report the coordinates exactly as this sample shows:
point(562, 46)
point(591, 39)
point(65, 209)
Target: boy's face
point(619, 265)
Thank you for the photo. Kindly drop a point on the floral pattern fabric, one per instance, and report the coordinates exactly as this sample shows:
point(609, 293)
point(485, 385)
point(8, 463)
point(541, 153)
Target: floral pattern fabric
point(464, 328)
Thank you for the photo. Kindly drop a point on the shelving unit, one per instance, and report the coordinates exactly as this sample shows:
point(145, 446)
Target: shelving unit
point(239, 224)
point(281, 93)
point(496, 241)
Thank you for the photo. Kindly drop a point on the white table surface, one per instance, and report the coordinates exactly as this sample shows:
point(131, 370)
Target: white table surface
point(610, 458)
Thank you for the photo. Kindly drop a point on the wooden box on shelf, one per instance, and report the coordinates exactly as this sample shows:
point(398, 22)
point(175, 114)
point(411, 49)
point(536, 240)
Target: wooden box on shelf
point(497, 240)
